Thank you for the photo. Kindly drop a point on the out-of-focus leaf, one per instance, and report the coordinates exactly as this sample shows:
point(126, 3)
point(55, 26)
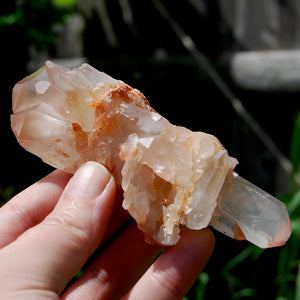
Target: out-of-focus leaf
point(295, 146)
point(294, 204)
point(297, 285)
point(64, 2)
point(11, 19)
point(203, 280)
point(6, 194)
point(238, 259)
point(244, 293)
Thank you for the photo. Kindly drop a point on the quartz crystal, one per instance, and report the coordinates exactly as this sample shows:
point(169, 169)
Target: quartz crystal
point(172, 178)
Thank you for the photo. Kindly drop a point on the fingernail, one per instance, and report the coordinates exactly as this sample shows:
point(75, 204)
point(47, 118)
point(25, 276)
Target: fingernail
point(89, 181)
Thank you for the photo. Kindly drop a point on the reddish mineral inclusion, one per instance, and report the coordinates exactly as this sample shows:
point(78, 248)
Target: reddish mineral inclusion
point(171, 177)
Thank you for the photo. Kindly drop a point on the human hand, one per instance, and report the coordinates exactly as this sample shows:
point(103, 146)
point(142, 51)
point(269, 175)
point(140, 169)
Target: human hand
point(50, 230)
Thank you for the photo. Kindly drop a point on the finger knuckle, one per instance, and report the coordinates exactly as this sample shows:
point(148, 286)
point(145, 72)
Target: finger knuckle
point(74, 230)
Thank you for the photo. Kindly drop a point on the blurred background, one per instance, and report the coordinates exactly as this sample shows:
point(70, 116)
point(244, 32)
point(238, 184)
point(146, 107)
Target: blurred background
point(227, 67)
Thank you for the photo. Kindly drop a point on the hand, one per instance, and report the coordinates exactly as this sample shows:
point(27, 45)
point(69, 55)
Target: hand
point(49, 231)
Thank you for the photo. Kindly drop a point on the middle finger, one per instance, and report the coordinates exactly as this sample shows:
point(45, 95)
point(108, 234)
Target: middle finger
point(116, 271)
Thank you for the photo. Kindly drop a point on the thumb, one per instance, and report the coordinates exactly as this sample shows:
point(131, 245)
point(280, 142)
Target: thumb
point(47, 256)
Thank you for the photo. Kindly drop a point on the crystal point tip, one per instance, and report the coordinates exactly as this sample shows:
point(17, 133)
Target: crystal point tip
point(248, 212)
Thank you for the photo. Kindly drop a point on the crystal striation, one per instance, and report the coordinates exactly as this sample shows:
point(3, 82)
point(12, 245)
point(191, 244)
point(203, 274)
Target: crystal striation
point(172, 178)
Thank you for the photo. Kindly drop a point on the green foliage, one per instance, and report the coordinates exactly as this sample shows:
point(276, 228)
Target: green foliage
point(36, 19)
point(78, 274)
point(11, 19)
point(295, 151)
point(6, 194)
point(203, 280)
point(64, 2)
point(199, 288)
point(242, 291)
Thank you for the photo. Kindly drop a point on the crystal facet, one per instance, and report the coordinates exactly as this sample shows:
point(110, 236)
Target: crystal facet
point(247, 212)
point(171, 177)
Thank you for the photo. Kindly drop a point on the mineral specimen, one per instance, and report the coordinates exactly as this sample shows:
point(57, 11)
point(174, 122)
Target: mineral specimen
point(171, 177)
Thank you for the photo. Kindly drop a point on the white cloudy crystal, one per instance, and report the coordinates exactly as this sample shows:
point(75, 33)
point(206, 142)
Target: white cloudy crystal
point(171, 176)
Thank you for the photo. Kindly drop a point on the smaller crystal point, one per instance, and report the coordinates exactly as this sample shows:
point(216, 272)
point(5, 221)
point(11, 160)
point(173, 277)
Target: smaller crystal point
point(247, 212)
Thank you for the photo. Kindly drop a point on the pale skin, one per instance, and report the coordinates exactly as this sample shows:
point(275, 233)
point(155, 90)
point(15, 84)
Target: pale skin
point(49, 231)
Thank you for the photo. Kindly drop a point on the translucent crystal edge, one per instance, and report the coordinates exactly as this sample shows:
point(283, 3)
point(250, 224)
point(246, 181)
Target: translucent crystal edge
point(231, 224)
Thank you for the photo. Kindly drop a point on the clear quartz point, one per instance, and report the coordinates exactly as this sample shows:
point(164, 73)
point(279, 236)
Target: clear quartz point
point(172, 178)
point(245, 211)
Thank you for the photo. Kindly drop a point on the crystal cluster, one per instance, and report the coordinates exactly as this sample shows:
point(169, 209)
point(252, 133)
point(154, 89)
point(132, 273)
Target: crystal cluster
point(171, 177)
